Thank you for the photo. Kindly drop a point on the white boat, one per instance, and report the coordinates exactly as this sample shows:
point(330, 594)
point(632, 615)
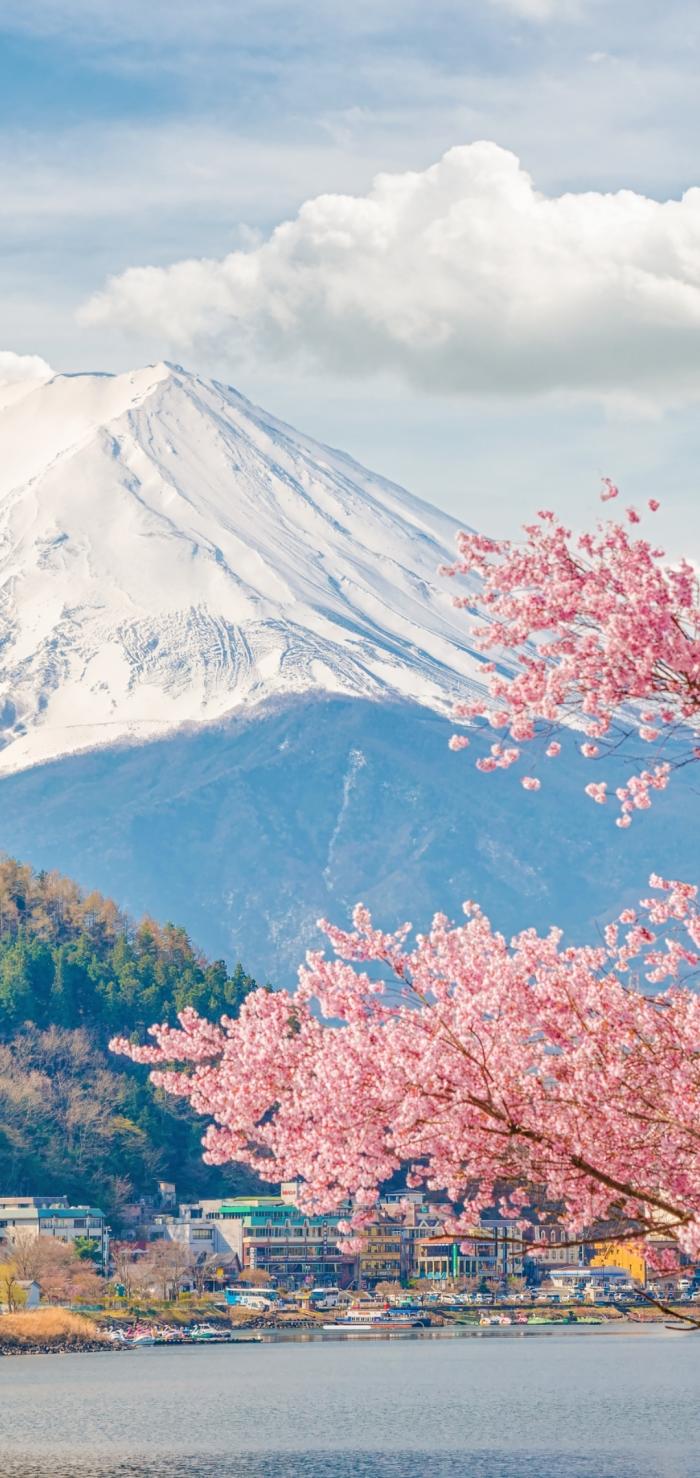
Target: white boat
point(358, 1320)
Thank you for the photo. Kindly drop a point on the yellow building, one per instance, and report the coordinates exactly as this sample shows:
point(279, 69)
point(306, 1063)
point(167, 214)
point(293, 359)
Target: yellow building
point(618, 1255)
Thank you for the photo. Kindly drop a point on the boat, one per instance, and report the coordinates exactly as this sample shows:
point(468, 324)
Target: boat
point(359, 1320)
point(206, 1331)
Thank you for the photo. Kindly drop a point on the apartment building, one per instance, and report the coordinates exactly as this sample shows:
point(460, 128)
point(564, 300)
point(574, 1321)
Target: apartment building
point(385, 1251)
point(51, 1216)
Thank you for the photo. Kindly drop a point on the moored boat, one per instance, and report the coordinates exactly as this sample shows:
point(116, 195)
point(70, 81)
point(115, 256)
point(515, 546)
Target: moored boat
point(359, 1320)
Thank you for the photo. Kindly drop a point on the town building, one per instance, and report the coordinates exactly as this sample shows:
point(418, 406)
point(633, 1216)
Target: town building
point(620, 1256)
point(51, 1216)
point(385, 1253)
point(265, 1233)
point(555, 1249)
point(499, 1255)
point(136, 1216)
point(421, 1221)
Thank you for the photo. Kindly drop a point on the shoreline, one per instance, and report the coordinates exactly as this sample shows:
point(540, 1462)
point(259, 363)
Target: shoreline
point(627, 1327)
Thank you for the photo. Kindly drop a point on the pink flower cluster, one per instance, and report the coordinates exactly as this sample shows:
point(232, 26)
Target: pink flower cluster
point(595, 625)
point(499, 759)
point(491, 1070)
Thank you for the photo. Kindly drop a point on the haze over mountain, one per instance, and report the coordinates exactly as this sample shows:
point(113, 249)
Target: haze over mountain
point(169, 554)
point(227, 669)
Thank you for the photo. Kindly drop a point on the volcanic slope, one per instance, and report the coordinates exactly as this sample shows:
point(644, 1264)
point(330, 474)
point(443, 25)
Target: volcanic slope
point(170, 554)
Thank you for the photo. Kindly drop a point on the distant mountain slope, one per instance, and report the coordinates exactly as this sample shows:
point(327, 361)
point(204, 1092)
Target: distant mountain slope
point(169, 553)
point(248, 831)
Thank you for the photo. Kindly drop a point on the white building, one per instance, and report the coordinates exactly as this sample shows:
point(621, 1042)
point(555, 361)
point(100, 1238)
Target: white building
point(202, 1227)
point(51, 1216)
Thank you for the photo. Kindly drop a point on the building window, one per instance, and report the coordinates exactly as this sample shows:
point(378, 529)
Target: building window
point(201, 1234)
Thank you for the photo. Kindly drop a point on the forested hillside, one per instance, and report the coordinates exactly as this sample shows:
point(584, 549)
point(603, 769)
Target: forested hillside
point(73, 971)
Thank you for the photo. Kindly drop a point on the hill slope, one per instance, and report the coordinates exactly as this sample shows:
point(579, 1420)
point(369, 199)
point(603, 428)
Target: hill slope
point(73, 970)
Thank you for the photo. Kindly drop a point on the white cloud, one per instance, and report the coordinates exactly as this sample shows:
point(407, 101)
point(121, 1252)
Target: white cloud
point(23, 366)
point(541, 10)
point(462, 278)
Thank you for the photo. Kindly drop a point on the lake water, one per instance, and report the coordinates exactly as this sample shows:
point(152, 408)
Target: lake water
point(568, 1405)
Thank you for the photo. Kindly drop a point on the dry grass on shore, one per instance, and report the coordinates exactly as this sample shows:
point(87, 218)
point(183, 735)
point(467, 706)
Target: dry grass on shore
point(48, 1327)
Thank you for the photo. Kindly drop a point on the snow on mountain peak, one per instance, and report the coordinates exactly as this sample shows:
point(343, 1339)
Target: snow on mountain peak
point(169, 553)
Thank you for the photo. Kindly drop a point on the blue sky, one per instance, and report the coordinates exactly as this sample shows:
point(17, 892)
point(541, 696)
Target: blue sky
point(145, 134)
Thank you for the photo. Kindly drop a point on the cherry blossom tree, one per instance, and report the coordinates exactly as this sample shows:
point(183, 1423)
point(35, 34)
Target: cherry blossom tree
point(53, 1264)
point(502, 1073)
point(594, 633)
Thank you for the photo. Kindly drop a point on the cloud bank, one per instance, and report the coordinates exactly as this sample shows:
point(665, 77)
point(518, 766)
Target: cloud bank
point(461, 279)
point(23, 366)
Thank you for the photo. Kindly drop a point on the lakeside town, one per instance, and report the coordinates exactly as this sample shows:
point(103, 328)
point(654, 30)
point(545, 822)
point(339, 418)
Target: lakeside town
point(211, 1269)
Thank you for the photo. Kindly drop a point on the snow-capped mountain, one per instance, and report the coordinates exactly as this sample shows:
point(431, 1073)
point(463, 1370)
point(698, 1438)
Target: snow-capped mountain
point(170, 554)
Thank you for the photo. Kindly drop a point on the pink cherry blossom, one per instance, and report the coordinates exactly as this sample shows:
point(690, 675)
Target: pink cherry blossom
point(492, 1071)
point(529, 782)
point(652, 503)
point(586, 627)
point(553, 750)
point(458, 741)
point(597, 792)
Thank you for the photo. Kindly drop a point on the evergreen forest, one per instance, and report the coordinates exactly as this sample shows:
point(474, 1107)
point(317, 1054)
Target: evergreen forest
point(74, 1120)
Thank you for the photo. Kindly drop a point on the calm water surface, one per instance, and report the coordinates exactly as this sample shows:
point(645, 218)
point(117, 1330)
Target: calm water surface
point(556, 1406)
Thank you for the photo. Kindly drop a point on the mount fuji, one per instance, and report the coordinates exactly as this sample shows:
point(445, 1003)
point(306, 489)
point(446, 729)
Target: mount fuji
point(226, 671)
point(170, 555)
